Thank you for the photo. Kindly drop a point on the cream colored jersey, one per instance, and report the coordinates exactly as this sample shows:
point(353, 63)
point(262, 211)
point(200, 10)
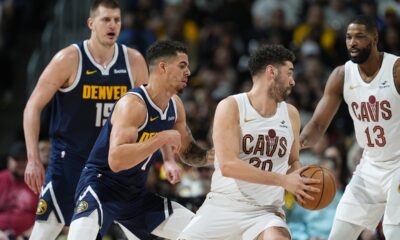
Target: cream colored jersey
point(375, 110)
point(265, 143)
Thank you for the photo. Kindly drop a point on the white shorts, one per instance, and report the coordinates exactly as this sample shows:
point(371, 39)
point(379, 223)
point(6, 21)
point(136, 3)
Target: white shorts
point(373, 192)
point(222, 218)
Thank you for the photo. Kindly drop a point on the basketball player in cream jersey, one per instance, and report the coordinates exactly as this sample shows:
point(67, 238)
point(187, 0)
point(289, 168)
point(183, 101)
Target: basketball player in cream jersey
point(256, 140)
point(370, 85)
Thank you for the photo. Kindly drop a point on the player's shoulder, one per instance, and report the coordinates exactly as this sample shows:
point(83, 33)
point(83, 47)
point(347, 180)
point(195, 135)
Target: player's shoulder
point(134, 53)
point(339, 71)
point(293, 111)
point(67, 55)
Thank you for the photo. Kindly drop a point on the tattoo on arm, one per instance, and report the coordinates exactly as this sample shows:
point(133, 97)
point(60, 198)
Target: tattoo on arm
point(194, 155)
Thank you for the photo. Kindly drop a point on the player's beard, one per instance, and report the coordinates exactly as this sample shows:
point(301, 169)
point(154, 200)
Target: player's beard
point(362, 56)
point(278, 91)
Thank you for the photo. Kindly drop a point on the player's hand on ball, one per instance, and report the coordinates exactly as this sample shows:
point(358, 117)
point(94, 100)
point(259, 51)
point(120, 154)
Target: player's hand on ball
point(299, 186)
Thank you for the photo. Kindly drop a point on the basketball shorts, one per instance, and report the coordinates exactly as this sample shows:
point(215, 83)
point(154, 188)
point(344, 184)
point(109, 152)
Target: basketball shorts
point(222, 218)
point(58, 192)
point(141, 215)
point(373, 192)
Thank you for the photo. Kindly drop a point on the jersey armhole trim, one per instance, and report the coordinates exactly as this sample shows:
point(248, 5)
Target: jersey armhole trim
point(147, 115)
point(78, 73)
point(128, 66)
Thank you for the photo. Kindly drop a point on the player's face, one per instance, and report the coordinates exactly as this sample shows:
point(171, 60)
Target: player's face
point(359, 43)
point(106, 25)
point(283, 83)
point(178, 71)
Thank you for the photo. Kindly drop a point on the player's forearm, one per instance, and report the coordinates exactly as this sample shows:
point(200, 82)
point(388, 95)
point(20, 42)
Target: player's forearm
point(240, 170)
point(128, 155)
point(311, 133)
point(194, 155)
point(31, 123)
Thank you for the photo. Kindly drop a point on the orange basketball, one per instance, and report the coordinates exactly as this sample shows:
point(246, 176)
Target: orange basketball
point(327, 187)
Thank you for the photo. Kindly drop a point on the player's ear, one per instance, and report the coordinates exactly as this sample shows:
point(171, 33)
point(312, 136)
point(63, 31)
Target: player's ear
point(270, 70)
point(163, 66)
point(90, 23)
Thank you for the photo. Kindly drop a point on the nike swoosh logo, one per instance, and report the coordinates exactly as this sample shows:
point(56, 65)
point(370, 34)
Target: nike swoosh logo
point(353, 87)
point(249, 119)
point(152, 119)
point(90, 72)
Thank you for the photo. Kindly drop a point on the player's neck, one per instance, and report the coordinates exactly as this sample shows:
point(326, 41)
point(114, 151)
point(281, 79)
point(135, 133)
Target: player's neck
point(264, 105)
point(101, 54)
point(370, 68)
point(159, 95)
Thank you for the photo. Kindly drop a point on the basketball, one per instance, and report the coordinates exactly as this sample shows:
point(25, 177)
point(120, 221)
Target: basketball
point(327, 187)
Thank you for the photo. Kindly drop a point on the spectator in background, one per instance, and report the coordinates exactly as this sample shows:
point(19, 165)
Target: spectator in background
point(17, 202)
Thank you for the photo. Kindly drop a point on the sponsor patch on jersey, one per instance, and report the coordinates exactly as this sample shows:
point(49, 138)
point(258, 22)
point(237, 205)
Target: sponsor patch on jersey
point(283, 125)
point(82, 206)
point(119, 71)
point(42, 207)
point(172, 118)
point(384, 84)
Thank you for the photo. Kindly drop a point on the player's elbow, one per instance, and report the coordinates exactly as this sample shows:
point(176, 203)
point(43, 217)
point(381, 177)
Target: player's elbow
point(226, 168)
point(114, 162)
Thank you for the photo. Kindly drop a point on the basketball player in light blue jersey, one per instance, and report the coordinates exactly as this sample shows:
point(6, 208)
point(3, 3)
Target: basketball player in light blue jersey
point(83, 80)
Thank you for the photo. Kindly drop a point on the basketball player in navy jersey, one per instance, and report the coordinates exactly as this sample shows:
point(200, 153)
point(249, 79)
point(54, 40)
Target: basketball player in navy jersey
point(256, 139)
point(112, 186)
point(370, 85)
point(84, 80)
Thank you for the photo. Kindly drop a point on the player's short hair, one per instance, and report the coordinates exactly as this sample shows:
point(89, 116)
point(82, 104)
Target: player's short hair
point(269, 54)
point(164, 49)
point(367, 21)
point(95, 4)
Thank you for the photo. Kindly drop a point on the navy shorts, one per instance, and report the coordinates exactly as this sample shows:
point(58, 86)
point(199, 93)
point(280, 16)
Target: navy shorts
point(140, 215)
point(58, 192)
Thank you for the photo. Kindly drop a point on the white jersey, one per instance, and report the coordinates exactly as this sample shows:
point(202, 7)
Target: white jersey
point(265, 144)
point(375, 109)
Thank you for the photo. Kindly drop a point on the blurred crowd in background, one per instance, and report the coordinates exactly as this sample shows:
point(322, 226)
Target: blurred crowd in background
point(220, 35)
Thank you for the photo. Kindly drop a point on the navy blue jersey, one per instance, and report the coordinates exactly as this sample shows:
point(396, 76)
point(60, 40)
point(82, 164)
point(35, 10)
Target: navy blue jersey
point(79, 111)
point(132, 181)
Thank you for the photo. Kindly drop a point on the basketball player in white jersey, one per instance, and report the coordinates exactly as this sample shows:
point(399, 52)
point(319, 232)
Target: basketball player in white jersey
point(256, 140)
point(370, 85)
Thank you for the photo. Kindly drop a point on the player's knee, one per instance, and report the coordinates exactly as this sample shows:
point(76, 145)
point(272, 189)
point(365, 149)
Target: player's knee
point(84, 227)
point(46, 229)
point(391, 232)
point(275, 233)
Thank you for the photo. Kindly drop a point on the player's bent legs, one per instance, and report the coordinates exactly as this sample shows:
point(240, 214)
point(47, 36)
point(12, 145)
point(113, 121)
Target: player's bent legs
point(48, 230)
point(85, 228)
point(171, 227)
point(274, 233)
point(344, 230)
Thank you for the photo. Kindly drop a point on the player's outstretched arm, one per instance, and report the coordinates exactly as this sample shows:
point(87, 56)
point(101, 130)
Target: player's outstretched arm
point(326, 109)
point(60, 72)
point(125, 152)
